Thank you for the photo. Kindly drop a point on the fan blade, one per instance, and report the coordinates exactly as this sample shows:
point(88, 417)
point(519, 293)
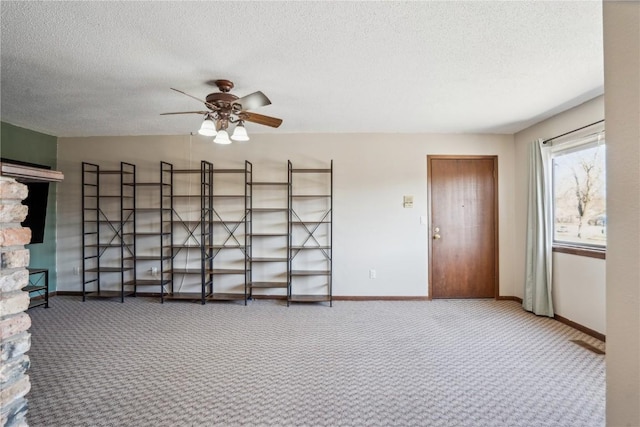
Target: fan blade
point(186, 112)
point(211, 106)
point(263, 120)
point(253, 100)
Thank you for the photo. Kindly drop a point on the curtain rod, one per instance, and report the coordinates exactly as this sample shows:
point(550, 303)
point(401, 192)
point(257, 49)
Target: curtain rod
point(572, 131)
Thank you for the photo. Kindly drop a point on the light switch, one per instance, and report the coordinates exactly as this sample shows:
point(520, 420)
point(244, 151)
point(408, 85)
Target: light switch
point(407, 202)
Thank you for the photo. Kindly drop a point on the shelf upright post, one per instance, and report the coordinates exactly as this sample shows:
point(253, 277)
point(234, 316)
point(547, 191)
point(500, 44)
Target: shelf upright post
point(166, 185)
point(90, 223)
point(249, 229)
point(290, 229)
point(127, 221)
point(98, 250)
point(330, 278)
point(247, 225)
point(206, 228)
point(172, 254)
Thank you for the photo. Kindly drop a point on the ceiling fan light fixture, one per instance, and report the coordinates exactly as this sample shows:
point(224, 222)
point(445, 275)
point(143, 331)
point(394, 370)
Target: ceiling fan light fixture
point(208, 128)
point(223, 108)
point(222, 137)
point(240, 133)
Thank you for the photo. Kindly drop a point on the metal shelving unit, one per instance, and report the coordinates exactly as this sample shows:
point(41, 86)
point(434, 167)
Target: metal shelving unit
point(310, 234)
point(108, 212)
point(235, 239)
point(38, 287)
point(230, 233)
point(151, 232)
point(268, 236)
point(192, 236)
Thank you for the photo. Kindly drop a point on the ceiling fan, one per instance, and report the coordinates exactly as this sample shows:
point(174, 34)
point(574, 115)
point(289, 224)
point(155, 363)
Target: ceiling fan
point(224, 108)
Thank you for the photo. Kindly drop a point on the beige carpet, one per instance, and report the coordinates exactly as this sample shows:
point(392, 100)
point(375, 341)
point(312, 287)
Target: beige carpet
point(437, 363)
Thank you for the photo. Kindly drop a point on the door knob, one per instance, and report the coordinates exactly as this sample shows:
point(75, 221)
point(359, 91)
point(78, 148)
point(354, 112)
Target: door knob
point(436, 236)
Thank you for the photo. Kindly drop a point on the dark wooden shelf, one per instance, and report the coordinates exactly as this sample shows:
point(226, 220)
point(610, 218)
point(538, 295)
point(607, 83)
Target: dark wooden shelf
point(152, 184)
point(267, 285)
point(270, 209)
point(311, 170)
point(310, 298)
point(37, 302)
point(148, 282)
point(186, 171)
point(151, 209)
point(226, 247)
point(184, 296)
point(270, 235)
point(186, 271)
point(218, 271)
point(207, 271)
point(268, 183)
point(310, 222)
point(222, 296)
point(149, 233)
point(34, 288)
point(297, 248)
point(107, 294)
point(310, 272)
point(229, 170)
point(148, 258)
point(108, 270)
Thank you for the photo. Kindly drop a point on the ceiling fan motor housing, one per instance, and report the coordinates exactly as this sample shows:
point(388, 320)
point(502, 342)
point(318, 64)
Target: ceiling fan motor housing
point(221, 99)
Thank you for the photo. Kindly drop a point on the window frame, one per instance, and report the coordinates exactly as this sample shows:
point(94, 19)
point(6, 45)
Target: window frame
point(563, 148)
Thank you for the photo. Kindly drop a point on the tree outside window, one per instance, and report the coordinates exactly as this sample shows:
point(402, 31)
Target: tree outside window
point(579, 189)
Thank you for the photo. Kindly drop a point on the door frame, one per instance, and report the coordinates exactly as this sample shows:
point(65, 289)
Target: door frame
point(496, 254)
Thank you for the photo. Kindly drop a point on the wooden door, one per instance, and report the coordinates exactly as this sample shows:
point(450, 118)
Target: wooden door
point(463, 234)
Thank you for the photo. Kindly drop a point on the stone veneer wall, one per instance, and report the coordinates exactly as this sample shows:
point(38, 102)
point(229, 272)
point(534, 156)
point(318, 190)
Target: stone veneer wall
point(15, 341)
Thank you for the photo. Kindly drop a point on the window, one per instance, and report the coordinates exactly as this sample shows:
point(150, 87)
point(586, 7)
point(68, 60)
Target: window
point(579, 194)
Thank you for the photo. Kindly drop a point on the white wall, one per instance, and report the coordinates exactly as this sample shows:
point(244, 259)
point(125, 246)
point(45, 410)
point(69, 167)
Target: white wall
point(622, 105)
point(579, 289)
point(372, 172)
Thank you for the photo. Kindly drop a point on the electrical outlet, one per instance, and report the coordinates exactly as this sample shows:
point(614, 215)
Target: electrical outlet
point(76, 271)
point(372, 274)
point(153, 271)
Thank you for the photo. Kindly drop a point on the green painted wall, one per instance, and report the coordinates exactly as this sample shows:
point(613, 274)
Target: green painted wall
point(29, 146)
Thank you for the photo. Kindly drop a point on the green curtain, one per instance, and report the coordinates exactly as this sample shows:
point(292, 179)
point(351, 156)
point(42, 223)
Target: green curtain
point(537, 290)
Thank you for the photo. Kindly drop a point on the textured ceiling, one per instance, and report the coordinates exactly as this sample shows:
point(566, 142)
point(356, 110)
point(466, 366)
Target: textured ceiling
point(105, 68)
